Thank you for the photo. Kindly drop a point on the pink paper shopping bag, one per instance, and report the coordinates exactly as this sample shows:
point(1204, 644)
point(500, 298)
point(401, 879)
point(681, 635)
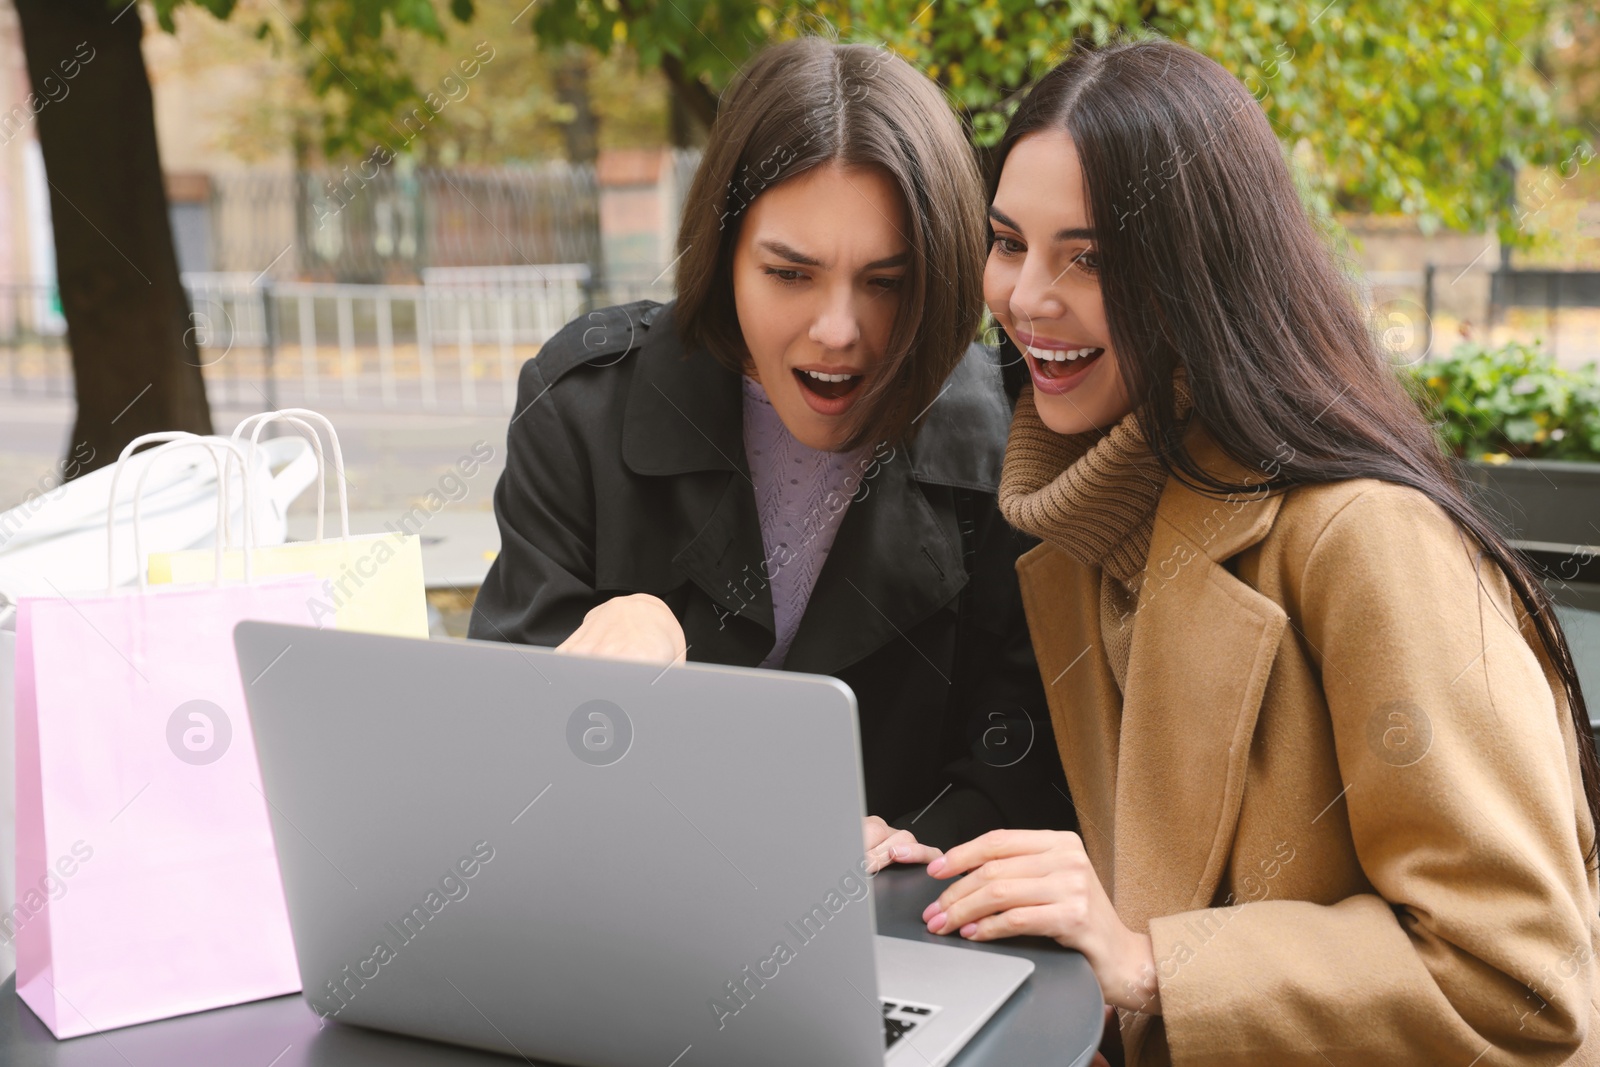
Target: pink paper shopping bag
point(147, 885)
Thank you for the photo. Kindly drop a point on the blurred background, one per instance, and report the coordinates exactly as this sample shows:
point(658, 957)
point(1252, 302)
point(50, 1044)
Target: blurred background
point(381, 208)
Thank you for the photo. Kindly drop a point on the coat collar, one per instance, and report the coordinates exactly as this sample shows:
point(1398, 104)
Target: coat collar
point(684, 411)
point(895, 560)
point(1158, 773)
point(1216, 527)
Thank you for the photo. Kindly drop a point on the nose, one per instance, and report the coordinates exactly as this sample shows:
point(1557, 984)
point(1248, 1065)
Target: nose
point(1037, 293)
point(837, 325)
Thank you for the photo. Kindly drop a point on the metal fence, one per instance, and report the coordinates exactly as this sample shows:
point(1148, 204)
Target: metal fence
point(32, 342)
point(1425, 313)
point(329, 224)
point(337, 225)
point(452, 344)
point(1563, 305)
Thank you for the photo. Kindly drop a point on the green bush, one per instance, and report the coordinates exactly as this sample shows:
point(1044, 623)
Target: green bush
point(1510, 401)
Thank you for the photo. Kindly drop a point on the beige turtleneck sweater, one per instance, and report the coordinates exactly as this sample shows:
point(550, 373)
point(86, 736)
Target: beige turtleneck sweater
point(1093, 495)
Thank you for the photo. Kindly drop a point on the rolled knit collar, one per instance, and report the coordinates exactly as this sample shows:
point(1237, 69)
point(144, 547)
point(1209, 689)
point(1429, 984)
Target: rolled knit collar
point(1092, 494)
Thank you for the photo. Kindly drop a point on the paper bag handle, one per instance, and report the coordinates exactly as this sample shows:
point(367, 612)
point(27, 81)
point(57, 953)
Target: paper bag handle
point(310, 434)
point(261, 419)
point(174, 440)
point(116, 476)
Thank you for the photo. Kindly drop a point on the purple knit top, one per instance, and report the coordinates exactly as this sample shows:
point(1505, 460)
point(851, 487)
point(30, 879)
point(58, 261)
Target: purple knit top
point(801, 497)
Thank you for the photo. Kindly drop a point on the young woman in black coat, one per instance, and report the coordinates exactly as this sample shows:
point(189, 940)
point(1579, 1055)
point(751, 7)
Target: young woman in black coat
point(794, 464)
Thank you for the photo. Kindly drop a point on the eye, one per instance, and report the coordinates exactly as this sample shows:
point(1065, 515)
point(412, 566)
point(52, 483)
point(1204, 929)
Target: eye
point(1088, 261)
point(1006, 246)
point(785, 275)
point(887, 284)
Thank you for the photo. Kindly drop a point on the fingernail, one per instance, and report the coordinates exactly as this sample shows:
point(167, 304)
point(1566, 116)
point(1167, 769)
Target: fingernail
point(898, 852)
point(969, 929)
point(936, 866)
point(929, 910)
point(936, 923)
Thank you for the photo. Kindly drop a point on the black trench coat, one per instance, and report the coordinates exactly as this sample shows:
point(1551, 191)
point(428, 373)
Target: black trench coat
point(625, 473)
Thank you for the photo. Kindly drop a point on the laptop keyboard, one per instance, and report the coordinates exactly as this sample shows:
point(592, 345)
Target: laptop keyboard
point(901, 1017)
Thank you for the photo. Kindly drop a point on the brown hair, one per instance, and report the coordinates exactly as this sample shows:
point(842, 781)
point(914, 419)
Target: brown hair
point(1210, 264)
point(809, 102)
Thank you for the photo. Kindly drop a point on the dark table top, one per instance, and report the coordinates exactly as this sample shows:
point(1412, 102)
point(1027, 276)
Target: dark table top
point(1055, 1018)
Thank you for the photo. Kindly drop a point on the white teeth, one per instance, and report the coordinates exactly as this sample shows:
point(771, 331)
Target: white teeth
point(821, 377)
point(1061, 355)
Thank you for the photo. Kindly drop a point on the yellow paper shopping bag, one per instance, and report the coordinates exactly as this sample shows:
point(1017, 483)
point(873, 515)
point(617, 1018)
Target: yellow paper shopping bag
point(370, 583)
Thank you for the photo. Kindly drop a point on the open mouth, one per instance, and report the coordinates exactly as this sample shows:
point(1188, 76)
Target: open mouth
point(1060, 363)
point(828, 386)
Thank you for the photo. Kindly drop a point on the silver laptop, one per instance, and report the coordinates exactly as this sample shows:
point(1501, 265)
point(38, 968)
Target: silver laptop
point(589, 861)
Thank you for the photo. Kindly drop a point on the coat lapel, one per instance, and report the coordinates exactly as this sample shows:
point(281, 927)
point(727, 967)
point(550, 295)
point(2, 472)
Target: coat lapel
point(1062, 600)
point(685, 422)
point(894, 562)
point(1203, 647)
point(724, 559)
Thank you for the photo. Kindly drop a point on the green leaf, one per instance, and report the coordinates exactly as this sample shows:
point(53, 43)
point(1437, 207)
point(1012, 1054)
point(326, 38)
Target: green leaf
point(1510, 398)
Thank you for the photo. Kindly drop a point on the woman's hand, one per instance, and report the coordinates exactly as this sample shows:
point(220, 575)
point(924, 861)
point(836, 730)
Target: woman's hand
point(637, 627)
point(1041, 882)
point(886, 845)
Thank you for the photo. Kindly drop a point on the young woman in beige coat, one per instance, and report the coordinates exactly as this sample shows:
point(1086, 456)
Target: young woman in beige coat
point(1326, 741)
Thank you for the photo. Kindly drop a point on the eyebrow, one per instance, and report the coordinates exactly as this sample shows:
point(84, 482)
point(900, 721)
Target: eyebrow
point(1076, 234)
point(794, 255)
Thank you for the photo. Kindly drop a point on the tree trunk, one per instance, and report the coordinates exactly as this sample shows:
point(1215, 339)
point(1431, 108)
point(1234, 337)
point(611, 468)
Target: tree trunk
point(582, 134)
point(683, 129)
point(134, 359)
point(693, 106)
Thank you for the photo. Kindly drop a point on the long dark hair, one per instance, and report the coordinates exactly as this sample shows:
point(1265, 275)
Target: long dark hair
point(1210, 263)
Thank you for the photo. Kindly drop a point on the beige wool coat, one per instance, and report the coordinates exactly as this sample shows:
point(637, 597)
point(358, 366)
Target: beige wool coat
point(1340, 792)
